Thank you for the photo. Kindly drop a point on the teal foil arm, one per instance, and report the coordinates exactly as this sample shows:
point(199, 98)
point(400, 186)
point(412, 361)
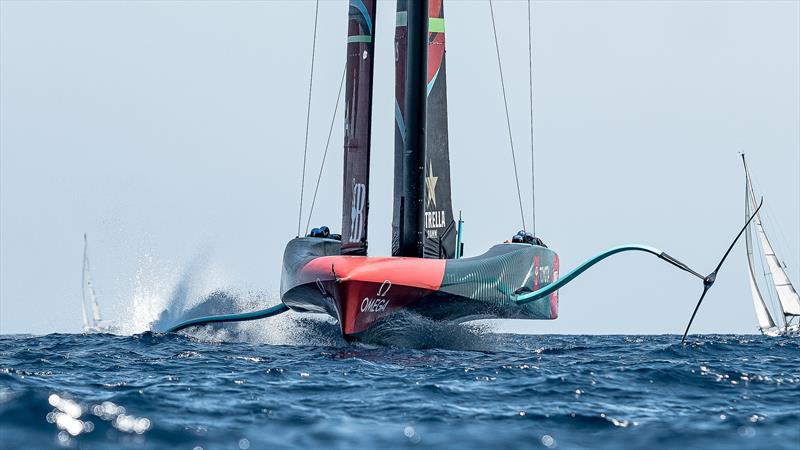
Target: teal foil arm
point(254, 315)
point(571, 275)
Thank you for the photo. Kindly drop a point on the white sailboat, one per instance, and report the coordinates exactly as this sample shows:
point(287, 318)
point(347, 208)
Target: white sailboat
point(787, 307)
point(93, 323)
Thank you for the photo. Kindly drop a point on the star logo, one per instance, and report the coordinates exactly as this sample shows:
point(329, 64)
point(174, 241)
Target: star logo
point(430, 183)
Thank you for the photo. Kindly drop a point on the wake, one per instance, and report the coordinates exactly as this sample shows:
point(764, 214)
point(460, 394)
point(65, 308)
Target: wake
point(162, 300)
point(402, 329)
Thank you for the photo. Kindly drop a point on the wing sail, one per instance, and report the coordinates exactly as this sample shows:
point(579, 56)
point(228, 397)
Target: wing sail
point(440, 232)
point(358, 113)
point(400, 50)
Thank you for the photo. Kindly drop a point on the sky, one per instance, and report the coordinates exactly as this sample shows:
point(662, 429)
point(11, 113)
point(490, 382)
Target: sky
point(172, 134)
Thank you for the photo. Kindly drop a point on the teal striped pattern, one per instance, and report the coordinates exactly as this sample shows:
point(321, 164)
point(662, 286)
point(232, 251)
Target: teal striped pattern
point(562, 281)
point(488, 282)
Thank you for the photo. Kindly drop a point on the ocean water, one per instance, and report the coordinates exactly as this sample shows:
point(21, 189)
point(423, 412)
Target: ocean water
point(433, 386)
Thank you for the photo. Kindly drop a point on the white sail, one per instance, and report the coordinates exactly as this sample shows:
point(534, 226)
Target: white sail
point(93, 298)
point(765, 321)
point(787, 295)
point(89, 294)
point(84, 314)
point(762, 314)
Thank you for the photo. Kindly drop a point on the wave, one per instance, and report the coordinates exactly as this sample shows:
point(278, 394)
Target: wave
point(406, 329)
point(402, 329)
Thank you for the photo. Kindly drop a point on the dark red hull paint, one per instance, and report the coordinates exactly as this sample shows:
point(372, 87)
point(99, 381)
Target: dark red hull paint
point(365, 289)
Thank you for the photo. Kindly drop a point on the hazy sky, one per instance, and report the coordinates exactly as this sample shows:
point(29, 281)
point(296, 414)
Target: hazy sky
point(172, 133)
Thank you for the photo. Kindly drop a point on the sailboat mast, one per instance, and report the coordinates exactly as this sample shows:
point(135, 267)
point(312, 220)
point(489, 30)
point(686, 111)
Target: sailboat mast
point(83, 285)
point(412, 233)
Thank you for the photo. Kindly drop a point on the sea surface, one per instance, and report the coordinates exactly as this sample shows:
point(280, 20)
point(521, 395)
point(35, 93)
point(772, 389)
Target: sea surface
point(435, 386)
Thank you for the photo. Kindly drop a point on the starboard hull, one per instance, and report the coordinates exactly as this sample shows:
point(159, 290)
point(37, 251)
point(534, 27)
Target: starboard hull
point(360, 291)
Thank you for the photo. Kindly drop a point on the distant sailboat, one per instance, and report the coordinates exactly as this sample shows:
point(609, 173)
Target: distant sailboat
point(788, 301)
point(93, 323)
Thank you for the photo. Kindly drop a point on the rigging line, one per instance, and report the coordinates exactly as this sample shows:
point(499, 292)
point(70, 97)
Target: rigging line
point(772, 292)
point(774, 304)
point(530, 89)
point(771, 289)
point(508, 118)
point(308, 119)
point(781, 237)
point(325, 154)
point(774, 301)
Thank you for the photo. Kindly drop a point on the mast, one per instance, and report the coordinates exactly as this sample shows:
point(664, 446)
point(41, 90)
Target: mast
point(412, 202)
point(358, 114)
point(765, 321)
